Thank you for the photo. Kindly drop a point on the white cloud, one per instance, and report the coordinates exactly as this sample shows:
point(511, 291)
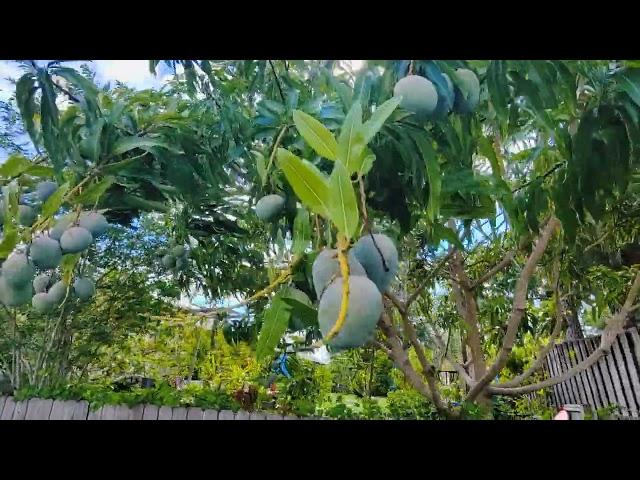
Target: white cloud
point(135, 73)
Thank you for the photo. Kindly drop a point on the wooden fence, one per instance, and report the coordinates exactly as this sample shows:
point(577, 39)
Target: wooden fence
point(41, 409)
point(613, 381)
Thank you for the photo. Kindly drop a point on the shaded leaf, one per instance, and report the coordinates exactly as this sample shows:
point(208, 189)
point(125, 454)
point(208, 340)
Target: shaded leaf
point(276, 319)
point(316, 135)
point(54, 202)
point(343, 204)
point(129, 143)
point(382, 113)
point(309, 184)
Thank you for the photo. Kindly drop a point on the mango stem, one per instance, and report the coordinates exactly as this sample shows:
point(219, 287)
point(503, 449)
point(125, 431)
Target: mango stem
point(344, 271)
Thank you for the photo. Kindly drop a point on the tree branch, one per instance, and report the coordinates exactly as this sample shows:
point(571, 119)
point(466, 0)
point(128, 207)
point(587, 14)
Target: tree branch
point(504, 263)
point(273, 69)
point(434, 271)
point(428, 369)
point(401, 359)
point(519, 305)
point(542, 355)
point(459, 368)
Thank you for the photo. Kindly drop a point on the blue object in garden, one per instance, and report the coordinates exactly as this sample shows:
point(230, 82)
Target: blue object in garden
point(281, 365)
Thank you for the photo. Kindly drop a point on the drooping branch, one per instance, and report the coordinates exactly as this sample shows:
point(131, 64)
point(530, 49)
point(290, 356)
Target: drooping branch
point(519, 306)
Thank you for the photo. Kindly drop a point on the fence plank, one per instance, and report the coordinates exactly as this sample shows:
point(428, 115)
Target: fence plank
point(61, 410)
point(635, 337)
point(39, 409)
point(9, 407)
point(179, 413)
point(551, 366)
point(549, 372)
point(567, 395)
point(226, 415)
point(165, 413)
point(631, 369)
point(81, 410)
point(583, 375)
point(3, 399)
point(574, 396)
point(194, 413)
point(150, 412)
point(240, 415)
point(257, 416)
point(602, 370)
point(95, 414)
point(274, 416)
point(210, 415)
point(136, 412)
point(572, 358)
point(624, 377)
point(617, 385)
point(593, 376)
point(20, 410)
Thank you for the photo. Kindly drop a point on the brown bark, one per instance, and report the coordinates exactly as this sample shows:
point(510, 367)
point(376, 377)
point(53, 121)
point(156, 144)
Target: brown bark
point(519, 305)
point(574, 329)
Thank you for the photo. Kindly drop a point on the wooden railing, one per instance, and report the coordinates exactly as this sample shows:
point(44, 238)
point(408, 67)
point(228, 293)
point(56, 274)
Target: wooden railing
point(613, 381)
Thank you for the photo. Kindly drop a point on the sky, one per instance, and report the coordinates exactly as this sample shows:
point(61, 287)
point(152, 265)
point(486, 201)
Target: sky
point(135, 73)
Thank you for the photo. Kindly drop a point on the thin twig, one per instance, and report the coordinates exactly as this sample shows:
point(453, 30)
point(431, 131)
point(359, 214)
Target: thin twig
point(273, 69)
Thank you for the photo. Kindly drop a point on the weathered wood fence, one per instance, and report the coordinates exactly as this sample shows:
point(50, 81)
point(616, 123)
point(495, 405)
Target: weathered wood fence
point(41, 409)
point(613, 381)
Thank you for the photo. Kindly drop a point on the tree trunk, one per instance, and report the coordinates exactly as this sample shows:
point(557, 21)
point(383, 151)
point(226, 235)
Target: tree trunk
point(574, 329)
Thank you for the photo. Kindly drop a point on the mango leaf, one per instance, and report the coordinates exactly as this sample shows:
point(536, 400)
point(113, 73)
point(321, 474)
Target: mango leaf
point(629, 82)
point(351, 141)
point(25, 90)
point(54, 202)
point(67, 265)
point(9, 242)
point(116, 167)
point(301, 232)
point(316, 135)
point(434, 174)
point(498, 87)
point(91, 194)
point(301, 307)
point(14, 166)
point(143, 204)
point(91, 145)
point(261, 166)
point(382, 113)
point(440, 232)
point(276, 319)
point(40, 171)
point(309, 184)
point(129, 143)
point(89, 89)
point(343, 207)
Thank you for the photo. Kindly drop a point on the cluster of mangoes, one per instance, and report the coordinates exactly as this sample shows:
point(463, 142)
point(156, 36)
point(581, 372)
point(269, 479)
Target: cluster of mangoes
point(422, 97)
point(175, 258)
point(373, 263)
point(20, 282)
